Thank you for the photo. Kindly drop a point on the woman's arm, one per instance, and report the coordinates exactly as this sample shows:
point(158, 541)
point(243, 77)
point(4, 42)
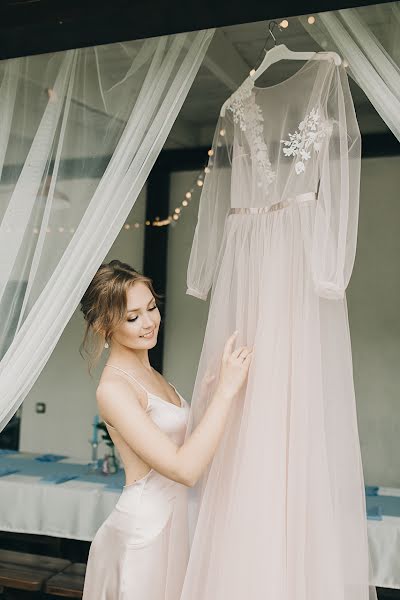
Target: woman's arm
point(184, 464)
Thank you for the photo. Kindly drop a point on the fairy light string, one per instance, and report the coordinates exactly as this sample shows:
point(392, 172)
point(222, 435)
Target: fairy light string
point(171, 219)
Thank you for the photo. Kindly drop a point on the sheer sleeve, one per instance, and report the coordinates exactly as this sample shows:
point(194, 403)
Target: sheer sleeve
point(336, 221)
point(213, 208)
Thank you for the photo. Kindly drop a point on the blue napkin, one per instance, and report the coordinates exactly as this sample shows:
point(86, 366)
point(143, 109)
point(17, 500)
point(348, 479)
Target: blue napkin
point(375, 512)
point(371, 490)
point(50, 457)
point(7, 471)
point(58, 478)
point(7, 451)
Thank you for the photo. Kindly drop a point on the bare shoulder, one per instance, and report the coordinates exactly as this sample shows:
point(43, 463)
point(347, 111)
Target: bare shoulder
point(114, 390)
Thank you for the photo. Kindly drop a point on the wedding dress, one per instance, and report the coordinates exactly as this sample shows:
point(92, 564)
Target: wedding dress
point(141, 550)
point(280, 513)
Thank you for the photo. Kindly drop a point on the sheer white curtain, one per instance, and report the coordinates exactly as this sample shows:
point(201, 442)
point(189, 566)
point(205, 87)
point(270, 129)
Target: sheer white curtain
point(79, 133)
point(368, 38)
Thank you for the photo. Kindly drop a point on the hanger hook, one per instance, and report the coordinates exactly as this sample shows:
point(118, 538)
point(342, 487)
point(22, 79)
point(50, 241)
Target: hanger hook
point(271, 25)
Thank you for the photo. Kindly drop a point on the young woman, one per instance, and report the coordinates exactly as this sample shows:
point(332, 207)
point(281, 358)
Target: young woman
point(140, 552)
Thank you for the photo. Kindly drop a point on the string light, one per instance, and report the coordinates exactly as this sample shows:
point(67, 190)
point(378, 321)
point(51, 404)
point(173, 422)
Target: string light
point(157, 222)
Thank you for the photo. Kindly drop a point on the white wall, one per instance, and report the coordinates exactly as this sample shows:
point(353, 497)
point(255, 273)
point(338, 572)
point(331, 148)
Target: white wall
point(374, 313)
point(64, 384)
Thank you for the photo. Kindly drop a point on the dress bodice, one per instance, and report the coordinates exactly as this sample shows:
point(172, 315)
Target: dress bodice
point(170, 418)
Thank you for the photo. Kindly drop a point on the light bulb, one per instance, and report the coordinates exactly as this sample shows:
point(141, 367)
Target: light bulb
point(207, 170)
point(199, 183)
point(177, 210)
point(284, 24)
point(137, 225)
point(211, 152)
point(127, 226)
point(175, 217)
point(222, 132)
point(252, 72)
point(185, 203)
point(311, 20)
point(188, 195)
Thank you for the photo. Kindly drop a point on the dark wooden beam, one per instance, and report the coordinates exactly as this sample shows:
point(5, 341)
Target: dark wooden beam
point(156, 249)
point(380, 144)
point(37, 26)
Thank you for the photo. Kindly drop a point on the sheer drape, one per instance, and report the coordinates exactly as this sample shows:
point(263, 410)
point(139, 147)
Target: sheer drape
point(368, 39)
point(79, 134)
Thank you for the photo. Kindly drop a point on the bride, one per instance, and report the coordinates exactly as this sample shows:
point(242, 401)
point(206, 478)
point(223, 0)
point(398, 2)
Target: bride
point(141, 550)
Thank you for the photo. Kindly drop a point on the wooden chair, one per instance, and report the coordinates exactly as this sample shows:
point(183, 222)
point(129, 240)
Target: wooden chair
point(69, 583)
point(27, 572)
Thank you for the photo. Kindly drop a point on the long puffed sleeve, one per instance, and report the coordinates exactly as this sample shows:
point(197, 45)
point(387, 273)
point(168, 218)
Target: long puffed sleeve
point(335, 228)
point(213, 208)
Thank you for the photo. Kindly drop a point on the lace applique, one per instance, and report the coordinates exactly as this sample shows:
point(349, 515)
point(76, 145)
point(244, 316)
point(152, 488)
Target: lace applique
point(248, 115)
point(309, 135)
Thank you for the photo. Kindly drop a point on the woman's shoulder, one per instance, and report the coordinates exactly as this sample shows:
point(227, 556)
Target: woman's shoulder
point(113, 387)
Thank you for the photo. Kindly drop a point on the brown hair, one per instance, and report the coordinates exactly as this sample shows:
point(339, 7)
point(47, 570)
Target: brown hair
point(104, 305)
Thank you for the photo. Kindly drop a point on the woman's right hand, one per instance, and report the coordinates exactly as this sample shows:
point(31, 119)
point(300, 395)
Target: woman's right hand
point(234, 367)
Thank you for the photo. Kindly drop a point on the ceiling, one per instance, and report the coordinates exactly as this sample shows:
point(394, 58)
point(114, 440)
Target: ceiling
point(235, 50)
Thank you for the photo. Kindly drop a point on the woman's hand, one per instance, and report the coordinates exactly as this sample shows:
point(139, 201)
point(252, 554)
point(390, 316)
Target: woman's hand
point(234, 367)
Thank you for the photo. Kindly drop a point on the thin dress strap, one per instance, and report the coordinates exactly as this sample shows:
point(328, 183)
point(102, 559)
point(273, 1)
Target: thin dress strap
point(129, 375)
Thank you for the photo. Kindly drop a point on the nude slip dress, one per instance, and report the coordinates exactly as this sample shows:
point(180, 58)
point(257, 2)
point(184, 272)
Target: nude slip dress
point(141, 551)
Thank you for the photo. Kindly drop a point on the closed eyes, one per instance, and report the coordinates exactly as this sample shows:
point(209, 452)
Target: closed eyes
point(134, 318)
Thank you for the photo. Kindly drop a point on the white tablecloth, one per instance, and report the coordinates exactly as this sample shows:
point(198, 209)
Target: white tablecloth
point(74, 509)
point(384, 539)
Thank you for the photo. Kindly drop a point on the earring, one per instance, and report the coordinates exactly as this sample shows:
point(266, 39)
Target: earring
point(106, 345)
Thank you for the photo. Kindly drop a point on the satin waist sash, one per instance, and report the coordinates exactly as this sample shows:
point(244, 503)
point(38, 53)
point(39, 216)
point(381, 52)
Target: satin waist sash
point(299, 199)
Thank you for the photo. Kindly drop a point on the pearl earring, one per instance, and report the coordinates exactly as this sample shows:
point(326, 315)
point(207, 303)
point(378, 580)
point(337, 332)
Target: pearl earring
point(106, 345)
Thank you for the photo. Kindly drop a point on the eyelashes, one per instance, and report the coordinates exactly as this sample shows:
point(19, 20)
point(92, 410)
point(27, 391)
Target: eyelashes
point(134, 318)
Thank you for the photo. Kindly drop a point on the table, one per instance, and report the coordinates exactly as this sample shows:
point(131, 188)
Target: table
point(74, 509)
point(384, 537)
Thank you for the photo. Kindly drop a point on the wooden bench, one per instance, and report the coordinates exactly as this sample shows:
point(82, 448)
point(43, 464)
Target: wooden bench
point(69, 583)
point(27, 572)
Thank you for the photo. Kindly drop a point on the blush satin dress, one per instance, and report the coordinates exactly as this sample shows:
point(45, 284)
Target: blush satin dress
point(141, 551)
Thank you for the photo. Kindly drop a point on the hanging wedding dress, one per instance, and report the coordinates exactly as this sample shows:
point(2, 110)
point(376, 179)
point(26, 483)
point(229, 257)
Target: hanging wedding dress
point(281, 510)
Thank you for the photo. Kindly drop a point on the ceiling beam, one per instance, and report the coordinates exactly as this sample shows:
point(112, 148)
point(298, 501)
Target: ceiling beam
point(36, 26)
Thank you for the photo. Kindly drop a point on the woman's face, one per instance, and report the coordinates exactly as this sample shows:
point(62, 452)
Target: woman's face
point(140, 329)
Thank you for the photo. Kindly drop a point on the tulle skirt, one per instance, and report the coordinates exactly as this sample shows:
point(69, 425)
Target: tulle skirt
point(141, 550)
point(280, 512)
